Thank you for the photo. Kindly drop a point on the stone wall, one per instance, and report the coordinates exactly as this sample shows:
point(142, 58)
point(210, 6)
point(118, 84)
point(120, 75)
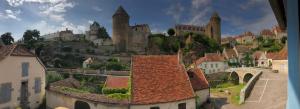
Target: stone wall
point(59, 100)
point(203, 96)
point(190, 104)
point(245, 92)
point(11, 72)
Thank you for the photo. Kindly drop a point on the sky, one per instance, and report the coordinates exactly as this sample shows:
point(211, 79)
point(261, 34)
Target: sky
point(48, 16)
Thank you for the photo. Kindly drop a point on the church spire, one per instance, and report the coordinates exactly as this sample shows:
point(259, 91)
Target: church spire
point(121, 11)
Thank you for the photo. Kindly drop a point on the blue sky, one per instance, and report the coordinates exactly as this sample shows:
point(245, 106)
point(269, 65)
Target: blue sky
point(49, 16)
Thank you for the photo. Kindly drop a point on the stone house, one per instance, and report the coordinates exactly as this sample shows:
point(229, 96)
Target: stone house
point(199, 84)
point(280, 60)
point(261, 59)
point(231, 56)
point(212, 63)
point(266, 33)
point(160, 82)
point(278, 32)
point(22, 78)
point(246, 38)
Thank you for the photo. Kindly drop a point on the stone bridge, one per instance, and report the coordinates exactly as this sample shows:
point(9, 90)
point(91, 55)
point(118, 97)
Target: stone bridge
point(243, 74)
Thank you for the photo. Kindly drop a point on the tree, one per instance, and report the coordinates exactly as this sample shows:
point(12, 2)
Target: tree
point(31, 38)
point(247, 60)
point(103, 33)
point(283, 39)
point(171, 32)
point(7, 39)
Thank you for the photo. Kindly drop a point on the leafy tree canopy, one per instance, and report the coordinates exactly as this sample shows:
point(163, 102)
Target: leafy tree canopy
point(7, 39)
point(171, 32)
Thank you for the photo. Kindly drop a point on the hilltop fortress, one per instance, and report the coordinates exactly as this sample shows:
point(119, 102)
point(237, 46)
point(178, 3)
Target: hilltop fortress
point(128, 38)
point(212, 29)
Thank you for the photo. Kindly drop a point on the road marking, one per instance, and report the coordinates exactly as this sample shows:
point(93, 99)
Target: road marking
point(263, 91)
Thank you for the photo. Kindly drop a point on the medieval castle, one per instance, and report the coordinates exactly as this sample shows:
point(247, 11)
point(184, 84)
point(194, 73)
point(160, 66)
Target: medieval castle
point(128, 38)
point(212, 29)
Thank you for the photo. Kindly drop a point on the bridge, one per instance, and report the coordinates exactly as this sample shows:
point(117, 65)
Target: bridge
point(243, 74)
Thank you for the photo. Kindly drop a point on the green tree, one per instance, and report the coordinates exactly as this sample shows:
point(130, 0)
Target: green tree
point(171, 32)
point(31, 38)
point(7, 39)
point(103, 33)
point(247, 60)
point(283, 39)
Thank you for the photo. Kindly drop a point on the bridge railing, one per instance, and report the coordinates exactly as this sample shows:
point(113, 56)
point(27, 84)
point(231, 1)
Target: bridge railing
point(245, 92)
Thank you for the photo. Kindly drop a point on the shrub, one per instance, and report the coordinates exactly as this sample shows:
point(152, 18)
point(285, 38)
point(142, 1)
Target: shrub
point(119, 96)
point(52, 77)
point(108, 91)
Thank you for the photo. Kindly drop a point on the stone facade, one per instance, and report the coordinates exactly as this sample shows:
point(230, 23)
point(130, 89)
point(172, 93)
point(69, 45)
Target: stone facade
point(128, 38)
point(246, 38)
point(212, 29)
point(21, 71)
point(212, 63)
point(190, 104)
point(66, 35)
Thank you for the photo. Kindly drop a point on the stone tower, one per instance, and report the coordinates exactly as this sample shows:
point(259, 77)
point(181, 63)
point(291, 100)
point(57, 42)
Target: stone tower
point(213, 28)
point(120, 29)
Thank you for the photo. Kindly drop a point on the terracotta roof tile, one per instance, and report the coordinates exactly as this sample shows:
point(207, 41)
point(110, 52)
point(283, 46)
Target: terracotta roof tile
point(198, 80)
point(14, 50)
point(69, 82)
point(159, 79)
point(281, 55)
point(266, 32)
point(210, 57)
point(256, 55)
point(117, 82)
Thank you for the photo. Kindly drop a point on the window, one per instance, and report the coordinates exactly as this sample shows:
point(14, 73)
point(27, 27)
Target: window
point(212, 65)
point(182, 106)
point(37, 85)
point(5, 92)
point(25, 66)
point(216, 65)
point(156, 107)
point(205, 65)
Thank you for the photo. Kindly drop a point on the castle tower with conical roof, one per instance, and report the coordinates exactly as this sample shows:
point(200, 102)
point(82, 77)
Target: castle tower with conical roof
point(120, 30)
point(213, 29)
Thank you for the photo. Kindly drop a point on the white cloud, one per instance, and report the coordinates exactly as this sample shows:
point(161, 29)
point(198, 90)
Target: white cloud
point(175, 11)
point(98, 9)
point(201, 17)
point(200, 12)
point(10, 14)
point(200, 3)
point(56, 11)
point(16, 3)
point(46, 28)
point(90, 22)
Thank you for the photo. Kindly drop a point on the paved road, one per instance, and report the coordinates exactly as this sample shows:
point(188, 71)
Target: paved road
point(270, 92)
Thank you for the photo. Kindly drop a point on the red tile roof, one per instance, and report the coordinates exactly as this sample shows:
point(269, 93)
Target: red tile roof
point(117, 82)
point(281, 55)
point(14, 50)
point(159, 79)
point(210, 57)
point(266, 32)
point(256, 55)
point(198, 80)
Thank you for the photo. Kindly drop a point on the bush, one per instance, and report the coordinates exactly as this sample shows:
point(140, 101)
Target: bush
point(108, 91)
point(119, 96)
point(53, 77)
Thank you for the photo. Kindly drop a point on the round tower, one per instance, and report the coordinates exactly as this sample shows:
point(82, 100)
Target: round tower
point(215, 26)
point(120, 30)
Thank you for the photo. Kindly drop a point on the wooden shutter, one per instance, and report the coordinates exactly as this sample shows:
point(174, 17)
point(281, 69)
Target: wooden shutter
point(25, 67)
point(37, 85)
point(5, 92)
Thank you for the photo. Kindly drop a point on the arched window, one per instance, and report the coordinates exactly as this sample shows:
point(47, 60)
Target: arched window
point(81, 105)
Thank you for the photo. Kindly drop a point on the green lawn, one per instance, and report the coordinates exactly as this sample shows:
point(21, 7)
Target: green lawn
point(234, 91)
